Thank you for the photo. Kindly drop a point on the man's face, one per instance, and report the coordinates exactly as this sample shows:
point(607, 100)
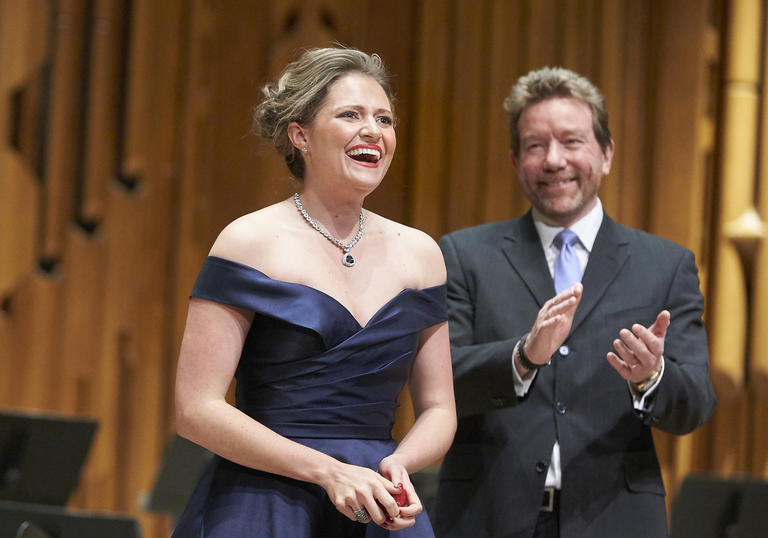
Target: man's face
point(560, 164)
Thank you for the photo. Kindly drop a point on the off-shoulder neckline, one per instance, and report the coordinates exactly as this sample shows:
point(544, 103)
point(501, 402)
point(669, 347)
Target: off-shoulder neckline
point(250, 268)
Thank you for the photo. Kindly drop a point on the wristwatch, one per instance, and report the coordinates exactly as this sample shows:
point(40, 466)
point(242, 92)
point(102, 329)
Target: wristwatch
point(645, 385)
point(523, 358)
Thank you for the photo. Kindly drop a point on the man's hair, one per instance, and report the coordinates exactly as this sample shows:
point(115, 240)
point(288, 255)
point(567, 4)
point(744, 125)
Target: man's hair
point(552, 82)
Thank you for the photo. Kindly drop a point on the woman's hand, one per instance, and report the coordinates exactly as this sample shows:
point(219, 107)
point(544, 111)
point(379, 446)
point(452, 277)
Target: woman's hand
point(395, 471)
point(351, 488)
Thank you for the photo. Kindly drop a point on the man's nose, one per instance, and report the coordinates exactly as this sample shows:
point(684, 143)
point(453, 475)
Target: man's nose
point(555, 157)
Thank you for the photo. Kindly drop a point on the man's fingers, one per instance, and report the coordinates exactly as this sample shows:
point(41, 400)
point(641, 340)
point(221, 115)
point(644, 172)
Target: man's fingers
point(660, 326)
point(618, 365)
point(574, 292)
point(565, 308)
point(653, 336)
point(626, 353)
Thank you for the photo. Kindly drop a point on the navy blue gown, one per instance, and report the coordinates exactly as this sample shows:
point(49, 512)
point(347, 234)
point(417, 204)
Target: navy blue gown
point(310, 372)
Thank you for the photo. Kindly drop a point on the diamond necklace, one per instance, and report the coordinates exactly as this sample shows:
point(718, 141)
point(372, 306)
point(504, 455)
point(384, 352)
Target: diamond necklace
point(347, 259)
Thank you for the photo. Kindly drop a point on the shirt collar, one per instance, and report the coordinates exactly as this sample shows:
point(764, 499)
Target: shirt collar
point(585, 228)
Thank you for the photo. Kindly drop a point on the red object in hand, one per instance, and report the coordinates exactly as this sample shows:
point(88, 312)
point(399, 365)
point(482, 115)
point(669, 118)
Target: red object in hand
point(401, 498)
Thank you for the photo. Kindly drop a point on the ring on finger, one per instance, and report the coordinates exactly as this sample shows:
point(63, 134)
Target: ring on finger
point(362, 515)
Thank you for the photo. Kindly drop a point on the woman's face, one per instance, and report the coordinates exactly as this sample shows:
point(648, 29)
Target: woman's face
point(352, 138)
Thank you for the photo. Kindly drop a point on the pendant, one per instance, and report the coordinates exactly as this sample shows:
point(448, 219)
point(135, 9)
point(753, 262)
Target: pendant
point(348, 260)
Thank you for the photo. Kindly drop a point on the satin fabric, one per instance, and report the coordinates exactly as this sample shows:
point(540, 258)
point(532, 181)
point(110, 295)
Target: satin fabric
point(312, 373)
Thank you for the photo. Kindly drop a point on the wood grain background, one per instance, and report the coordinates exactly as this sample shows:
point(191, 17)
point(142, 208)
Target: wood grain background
point(125, 148)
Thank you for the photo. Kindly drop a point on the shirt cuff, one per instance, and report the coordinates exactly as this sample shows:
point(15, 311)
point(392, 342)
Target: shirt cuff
point(641, 400)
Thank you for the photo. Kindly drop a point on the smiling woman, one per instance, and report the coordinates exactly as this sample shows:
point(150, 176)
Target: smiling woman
point(320, 349)
point(351, 138)
point(301, 90)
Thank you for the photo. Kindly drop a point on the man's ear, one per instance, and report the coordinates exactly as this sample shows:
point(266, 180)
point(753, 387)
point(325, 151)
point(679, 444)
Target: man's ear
point(297, 135)
point(513, 158)
point(607, 158)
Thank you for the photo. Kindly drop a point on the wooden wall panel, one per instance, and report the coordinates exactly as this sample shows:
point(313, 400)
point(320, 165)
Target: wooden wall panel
point(580, 49)
point(103, 108)
point(731, 287)
point(466, 178)
point(79, 322)
point(630, 163)
point(36, 333)
point(138, 90)
point(63, 137)
point(682, 143)
point(758, 361)
point(609, 77)
point(503, 58)
point(128, 148)
point(22, 57)
point(432, 119)
point(542, 26)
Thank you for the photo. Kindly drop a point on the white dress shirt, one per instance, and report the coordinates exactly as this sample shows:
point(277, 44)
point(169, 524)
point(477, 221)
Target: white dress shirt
point(586, 229)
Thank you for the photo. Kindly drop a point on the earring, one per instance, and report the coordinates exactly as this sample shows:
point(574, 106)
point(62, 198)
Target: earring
point(304, 149)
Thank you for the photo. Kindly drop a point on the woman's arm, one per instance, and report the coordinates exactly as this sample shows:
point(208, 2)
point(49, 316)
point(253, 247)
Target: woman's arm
point(431, 387)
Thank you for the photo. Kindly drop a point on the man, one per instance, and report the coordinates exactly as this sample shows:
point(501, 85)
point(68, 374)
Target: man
point(556, 396)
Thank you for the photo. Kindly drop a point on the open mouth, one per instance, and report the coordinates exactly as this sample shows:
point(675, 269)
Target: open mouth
point(365, 155)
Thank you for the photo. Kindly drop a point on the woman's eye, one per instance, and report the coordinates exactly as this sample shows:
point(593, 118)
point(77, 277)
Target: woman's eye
point(386, 120)
point(349, 114)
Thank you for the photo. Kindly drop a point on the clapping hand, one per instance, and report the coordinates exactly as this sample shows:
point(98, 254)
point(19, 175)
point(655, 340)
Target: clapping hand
point(552, 325)
point(639, 351)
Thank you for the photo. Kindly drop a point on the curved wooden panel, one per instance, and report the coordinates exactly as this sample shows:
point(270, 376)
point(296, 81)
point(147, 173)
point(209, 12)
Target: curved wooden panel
point(160, 94)
point(502, 195)
point(739, 143)
point(432, 119)
point(100, 152)
point(23, 56)
point(63, 148)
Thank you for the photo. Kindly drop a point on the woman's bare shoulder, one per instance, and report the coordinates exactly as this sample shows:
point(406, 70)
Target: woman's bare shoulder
point(414, 244)
point(247, 237)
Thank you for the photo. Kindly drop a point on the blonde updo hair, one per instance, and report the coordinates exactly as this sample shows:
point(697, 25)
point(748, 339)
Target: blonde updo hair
point(300, 91)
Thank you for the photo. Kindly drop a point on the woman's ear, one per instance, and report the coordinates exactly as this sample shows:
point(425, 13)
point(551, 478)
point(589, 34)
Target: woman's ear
point(298, 135)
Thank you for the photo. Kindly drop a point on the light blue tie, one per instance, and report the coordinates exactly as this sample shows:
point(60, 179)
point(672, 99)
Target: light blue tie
point(567, 267)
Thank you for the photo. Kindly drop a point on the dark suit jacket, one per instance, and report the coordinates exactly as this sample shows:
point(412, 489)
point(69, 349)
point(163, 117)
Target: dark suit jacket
point(492, 479)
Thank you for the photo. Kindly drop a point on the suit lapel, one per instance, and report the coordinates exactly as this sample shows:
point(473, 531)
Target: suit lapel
point(522, 247)
point(609, 254)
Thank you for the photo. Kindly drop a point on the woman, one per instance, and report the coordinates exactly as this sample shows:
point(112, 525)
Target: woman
point(322, 310)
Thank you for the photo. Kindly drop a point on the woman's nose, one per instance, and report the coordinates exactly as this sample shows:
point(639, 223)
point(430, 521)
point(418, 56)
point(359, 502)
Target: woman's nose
point(371, 129)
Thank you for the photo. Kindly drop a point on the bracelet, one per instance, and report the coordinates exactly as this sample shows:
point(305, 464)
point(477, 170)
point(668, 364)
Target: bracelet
point(523, 358)
point(645, 385)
